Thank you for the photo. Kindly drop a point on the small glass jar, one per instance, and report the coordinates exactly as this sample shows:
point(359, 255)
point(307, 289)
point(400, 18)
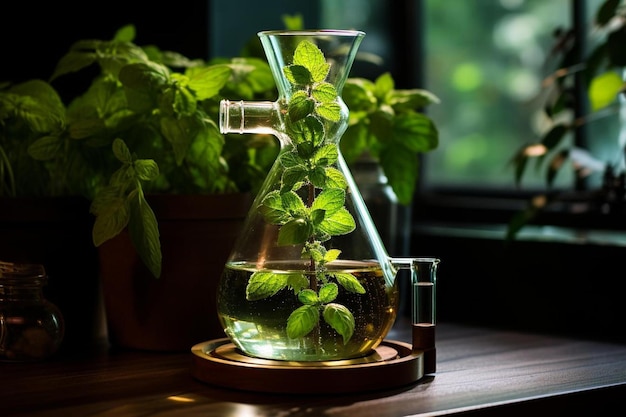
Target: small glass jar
point(31, 327)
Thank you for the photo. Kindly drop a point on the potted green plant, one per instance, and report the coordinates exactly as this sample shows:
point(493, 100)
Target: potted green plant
point(145, 127)
point(600, 72)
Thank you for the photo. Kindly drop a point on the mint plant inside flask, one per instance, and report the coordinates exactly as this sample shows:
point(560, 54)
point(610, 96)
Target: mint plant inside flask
point(309, 278)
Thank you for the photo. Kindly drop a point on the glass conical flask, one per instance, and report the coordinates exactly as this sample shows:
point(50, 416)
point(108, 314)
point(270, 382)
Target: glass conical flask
point(309, 278)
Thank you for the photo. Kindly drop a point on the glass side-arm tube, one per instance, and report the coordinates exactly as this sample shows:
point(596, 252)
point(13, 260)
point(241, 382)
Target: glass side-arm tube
point(424, 284)
point(262, 117)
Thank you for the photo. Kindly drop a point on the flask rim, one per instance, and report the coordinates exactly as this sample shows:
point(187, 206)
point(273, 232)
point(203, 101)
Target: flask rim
point(313, 32)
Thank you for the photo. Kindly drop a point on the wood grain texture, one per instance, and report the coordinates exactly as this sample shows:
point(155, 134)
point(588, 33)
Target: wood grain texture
point(479, 372)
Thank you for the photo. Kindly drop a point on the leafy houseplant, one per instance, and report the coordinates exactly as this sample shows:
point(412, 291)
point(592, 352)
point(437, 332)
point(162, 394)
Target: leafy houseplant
point(140, 127)
point(601, 73)
point(146, 124)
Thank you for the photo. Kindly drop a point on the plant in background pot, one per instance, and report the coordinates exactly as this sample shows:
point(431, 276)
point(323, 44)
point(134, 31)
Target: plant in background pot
point(601, 73)
point(139, 140)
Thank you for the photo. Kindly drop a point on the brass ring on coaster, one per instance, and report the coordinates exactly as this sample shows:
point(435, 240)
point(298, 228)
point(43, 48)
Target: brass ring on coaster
point(391, 365)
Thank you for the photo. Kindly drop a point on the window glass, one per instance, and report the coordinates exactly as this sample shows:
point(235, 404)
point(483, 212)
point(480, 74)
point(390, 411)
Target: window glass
point(485, 60)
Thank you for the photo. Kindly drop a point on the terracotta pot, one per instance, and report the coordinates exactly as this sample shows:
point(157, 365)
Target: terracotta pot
point(177, 310)
point(56, 233)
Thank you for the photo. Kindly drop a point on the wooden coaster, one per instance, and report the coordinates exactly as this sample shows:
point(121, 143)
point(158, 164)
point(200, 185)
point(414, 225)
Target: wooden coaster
point(392, 364)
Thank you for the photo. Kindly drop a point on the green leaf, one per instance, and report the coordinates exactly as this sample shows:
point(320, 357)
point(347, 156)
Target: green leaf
point(340, 319)
point(358, 94)
point(292, 202)
point(349, 282)
point(338, 223)
point(121, 151)
point(328, 292)
point(604, 89)
point(308, 297)
point(331, 255)
point(144, 232)
point(416, 131)
point(300, 106)
point(309, 129)
point(311, 57)
point(73, 61)
point(297, 282)
point(264, 284)
point(38, 104)
point(272, 209)
point(179, 132)
point(294, 232)
point(329, 111)
point(402, 170)
point(45, 148)
point(335, 179)
point(125, 34)
point(112, 215)
point(292, 176)
point(384, 85)
point(209, 81)
point(411, 100)
point(324, 92)
point(146, 169)
point(330, 200)
point(298, 75)
point(301, 321)
point(142, 83)
point(84, 128)
point(326, 155)
point(317, 176)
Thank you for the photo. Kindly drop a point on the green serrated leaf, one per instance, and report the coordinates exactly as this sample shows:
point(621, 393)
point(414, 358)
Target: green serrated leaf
point(300, 106)
point(84, 128)
point(272, 209)
point(298, 75)
point(146, 169)
point(294, 232)
point(335, 179)
point(416, 132)
point(309, 130)
point(328, 292)
point(331, 255)
point(301, 321)
point(326, 155)
point(45, 148)
point(112, 215)
point(349, 282)
point(293, 176)
point(329, 111)
point(324, 92)
point(338, 223)
point(384, 85)
point(311, 57)
point(317, 176)
point(262, 285)
point(402, 170)
point(330, 200)
point(144, 232)
point(340, 319)
point(308, 297)
point(179, 132)
point(297, 282)
point(121, 151)
point(209, 81)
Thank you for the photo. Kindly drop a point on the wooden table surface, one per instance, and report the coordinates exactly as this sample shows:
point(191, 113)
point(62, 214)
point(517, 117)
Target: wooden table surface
point(479, 372)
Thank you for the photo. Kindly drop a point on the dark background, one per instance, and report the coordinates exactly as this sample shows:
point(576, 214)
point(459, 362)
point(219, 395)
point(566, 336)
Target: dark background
point(35, 36)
